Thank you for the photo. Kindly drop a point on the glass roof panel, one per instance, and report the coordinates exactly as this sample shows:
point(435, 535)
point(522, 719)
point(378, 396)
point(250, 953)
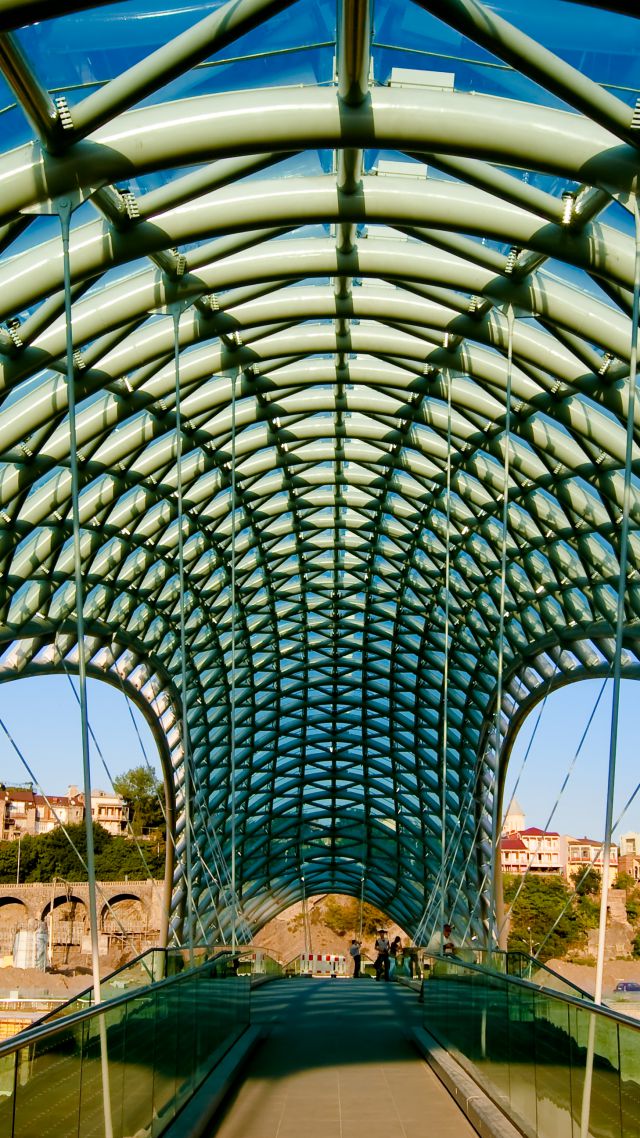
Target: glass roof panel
point(376, 342)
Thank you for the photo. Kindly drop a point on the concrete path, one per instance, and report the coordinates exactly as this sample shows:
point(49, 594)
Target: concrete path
point(338, 1064)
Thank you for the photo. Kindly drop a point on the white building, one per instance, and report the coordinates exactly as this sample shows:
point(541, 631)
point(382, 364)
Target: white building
point(630, 844)
point(109, 810)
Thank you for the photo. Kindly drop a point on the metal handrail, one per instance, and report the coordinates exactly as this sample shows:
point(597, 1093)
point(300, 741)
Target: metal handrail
point(572, 1001)
point(45, 1030)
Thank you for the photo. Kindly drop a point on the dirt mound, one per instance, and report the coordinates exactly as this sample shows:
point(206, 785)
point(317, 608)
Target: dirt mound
point(32, 982)
point(584, 975)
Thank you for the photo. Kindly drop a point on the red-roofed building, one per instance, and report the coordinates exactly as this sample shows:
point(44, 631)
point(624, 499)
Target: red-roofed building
point(534, 849)
point(585, 852)
point(22, 811)
point(513, 854)
point(547, 851)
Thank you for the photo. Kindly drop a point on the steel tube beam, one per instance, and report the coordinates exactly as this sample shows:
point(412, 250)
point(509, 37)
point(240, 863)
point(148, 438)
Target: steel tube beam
point(151, 343)
point(202, 129)
point(34, 101)
point(17, 13)
point(505, 186)
point(353, 86)
point(208, 36)
point(486, 27)
point(217, 174)
point(256, 206)
point(274, 266)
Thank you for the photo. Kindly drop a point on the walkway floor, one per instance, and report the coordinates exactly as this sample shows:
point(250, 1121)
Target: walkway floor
point(338, 1064)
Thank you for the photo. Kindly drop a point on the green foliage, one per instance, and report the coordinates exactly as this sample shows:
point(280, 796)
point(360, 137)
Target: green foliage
point(342, 915)
point(625, 881)
point(51, 855)
point(590, 883)
point(539, 904)
point(9, 862)
point(145, 795)
point(635, 946)
point(588, 910)
point(633, 908)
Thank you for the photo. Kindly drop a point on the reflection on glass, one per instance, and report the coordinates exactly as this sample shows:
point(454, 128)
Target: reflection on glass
point(528, 1048)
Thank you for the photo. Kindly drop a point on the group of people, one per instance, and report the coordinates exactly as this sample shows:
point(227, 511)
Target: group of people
point(387, 952)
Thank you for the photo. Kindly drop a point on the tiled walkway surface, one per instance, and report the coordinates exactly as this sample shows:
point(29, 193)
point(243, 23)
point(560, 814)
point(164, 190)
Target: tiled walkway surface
point(338, 1064)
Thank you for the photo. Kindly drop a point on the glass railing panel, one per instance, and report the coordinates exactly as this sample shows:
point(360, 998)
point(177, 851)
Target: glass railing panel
point(158, 1044)
point(495, 1032)
point(604, 1116)
point(7, 1081)
point(219, 1003)
point(521, 1014)
point(101, 1032)
point(170, 1046)
point(47, 1086)
point(131, 1062)
point(629, 1081)
point(257, 962)
point(146, 969)
point(185, 1014)
point(151, 966)
point(549, 1066)
point(530, 1048)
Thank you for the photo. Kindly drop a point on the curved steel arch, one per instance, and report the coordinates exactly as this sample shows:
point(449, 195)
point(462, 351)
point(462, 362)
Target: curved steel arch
point(344, 301)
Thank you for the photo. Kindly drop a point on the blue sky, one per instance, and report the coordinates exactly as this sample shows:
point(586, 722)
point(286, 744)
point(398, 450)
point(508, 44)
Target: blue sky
point(581, 809)
point(42, 715)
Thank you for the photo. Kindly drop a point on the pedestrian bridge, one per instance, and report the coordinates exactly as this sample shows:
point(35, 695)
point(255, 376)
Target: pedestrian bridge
point(319, 439)
point(234, 1048)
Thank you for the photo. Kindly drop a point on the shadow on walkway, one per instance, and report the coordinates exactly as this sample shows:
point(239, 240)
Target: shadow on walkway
point(338, 1064)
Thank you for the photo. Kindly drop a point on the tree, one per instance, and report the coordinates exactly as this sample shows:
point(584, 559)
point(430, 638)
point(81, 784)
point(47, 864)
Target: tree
point(145, 795)
point(341, 914)
point(586, 881)
point(51, 855)
point(539, 904)
point(9, 862)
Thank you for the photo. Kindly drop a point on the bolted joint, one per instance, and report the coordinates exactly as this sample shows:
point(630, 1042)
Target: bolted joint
point(14, 335)
point(64, 114)
point(607, 360)
point(130, 203)
point(512, 260)
point(568, 207)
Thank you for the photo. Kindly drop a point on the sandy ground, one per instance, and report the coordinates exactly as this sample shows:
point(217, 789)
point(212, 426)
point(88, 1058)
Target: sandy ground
point(32, 982)
point(277, 938)
point(584, 975)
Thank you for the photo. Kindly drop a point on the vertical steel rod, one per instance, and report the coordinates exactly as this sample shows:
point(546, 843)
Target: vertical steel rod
point(495, 823)
point(186, 748)
point(64, 213)
point(232, 741)
point(617, 676)
point(445, 675)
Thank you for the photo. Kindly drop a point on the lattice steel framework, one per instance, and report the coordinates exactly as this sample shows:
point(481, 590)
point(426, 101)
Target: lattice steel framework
point(343, 232)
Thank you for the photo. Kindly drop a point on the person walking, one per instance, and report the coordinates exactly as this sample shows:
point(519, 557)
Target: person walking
point(355, 953)
point(382, 960)
point(395, 950)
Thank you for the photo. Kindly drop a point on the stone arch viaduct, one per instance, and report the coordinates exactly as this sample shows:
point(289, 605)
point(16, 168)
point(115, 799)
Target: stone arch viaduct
point(129, 906)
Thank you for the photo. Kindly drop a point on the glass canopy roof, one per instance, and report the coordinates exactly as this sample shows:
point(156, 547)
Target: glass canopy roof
point(388, 251)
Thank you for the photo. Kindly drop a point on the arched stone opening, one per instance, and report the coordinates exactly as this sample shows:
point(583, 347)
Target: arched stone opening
point(14, 915)
point(124, 922)
point(67, 921)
